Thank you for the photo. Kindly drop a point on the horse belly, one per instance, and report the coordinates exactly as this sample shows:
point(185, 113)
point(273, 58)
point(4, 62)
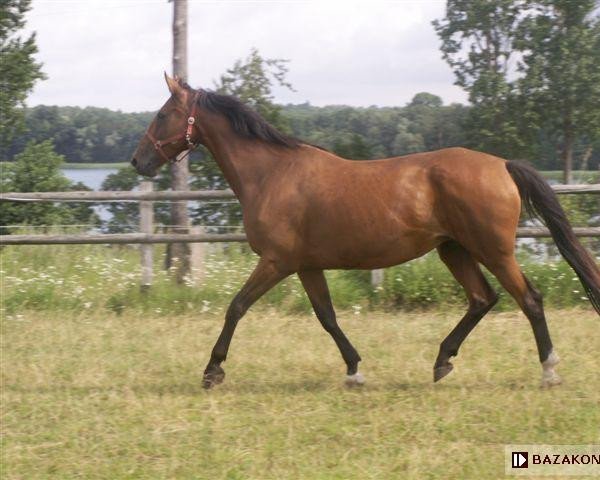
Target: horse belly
point(367, 248)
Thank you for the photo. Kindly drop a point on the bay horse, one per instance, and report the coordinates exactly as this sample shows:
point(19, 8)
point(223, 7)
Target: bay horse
point(306, 210)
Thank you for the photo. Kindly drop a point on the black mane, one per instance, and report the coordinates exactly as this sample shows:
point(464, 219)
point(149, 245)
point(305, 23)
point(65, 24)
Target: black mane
point(245, 121)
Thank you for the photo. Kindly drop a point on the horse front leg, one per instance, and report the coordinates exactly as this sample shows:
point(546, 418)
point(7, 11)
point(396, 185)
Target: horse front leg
point(315, 284)
point(264, 277)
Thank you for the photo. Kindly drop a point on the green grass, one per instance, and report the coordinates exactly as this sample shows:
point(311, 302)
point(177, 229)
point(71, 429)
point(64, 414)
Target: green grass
point(96, 395)
point(74, 278)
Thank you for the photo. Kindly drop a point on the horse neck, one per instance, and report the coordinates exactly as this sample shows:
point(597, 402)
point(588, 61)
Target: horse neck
point(245, 163)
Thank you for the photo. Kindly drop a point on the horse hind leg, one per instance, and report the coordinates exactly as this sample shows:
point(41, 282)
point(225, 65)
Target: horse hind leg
point(529, 299)
point(481, 299)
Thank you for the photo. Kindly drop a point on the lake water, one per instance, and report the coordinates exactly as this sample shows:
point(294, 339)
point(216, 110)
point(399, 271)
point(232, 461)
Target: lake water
point(91, 177)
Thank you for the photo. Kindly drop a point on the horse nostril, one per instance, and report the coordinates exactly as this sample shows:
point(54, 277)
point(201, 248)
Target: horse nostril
point(134, 162)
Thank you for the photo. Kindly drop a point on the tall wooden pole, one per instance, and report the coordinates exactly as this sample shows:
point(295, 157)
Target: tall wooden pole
point(180, 252)
point(180, 12)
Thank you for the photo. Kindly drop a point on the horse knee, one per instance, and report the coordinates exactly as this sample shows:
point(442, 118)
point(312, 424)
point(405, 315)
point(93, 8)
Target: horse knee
point(482, 304)
point(536, 296)
point(327, 319)
point(479, 305)
point(235, 311)
point(533, 294)
point(533, 304)
point(493, 298)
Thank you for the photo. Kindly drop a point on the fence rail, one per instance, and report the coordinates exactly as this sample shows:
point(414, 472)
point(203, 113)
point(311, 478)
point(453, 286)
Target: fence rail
point(120, 196)
point(120, 238)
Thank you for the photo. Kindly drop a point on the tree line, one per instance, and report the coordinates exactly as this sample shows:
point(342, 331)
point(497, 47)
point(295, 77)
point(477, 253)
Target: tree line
point(98, 135)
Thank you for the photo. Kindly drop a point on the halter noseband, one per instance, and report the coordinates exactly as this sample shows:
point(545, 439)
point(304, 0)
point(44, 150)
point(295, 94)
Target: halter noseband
point(187, 136)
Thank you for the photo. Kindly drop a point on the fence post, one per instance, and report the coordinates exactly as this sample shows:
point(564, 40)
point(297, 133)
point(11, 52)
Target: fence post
point(376, 277)
point(146, 227)
point(197, 256)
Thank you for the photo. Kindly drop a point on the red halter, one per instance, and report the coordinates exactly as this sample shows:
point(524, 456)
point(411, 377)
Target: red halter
point(187, 136)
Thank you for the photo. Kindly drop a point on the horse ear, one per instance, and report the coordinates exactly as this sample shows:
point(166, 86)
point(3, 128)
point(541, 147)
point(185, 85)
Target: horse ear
point(174, 85)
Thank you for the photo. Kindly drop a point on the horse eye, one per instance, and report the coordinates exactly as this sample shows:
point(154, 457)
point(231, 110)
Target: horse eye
point(160, 115)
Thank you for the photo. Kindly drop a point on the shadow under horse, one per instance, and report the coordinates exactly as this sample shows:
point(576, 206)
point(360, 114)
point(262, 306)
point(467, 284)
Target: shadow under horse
point(306, 210)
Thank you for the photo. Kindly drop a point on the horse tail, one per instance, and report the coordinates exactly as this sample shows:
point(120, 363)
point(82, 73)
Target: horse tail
point(541, 201)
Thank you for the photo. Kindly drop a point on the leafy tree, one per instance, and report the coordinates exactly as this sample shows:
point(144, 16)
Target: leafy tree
point(99, 135)
point(85, 135)
point(477, 42)
point(19, 70)
point(355, 148)
point(405, 141)
point(252, 81)
point(438, 125)
point(37, 169)
point(426, 99)
point(560, 41)
point(449, 127)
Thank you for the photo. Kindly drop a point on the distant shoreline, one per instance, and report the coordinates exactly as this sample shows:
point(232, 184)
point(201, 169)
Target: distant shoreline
point(86, 166)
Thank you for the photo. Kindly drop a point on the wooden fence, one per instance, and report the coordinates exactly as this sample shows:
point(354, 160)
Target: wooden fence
point(145, 196)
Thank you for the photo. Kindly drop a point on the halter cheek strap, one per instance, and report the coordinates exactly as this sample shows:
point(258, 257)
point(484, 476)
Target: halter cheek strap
point(187, 136)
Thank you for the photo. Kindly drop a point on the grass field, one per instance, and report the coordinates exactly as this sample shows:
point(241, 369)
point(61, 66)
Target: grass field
point(97, 395)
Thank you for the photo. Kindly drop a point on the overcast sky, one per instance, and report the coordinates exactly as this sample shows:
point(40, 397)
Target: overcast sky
point(111, 53)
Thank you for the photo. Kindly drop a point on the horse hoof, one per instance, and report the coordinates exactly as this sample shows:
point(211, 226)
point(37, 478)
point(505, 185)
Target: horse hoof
point(441, 371)
point(356, 380)
point(550, 379)
point(213, 377)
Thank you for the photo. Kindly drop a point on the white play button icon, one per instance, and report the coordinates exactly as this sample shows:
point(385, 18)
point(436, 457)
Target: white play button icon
point(520, 459)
